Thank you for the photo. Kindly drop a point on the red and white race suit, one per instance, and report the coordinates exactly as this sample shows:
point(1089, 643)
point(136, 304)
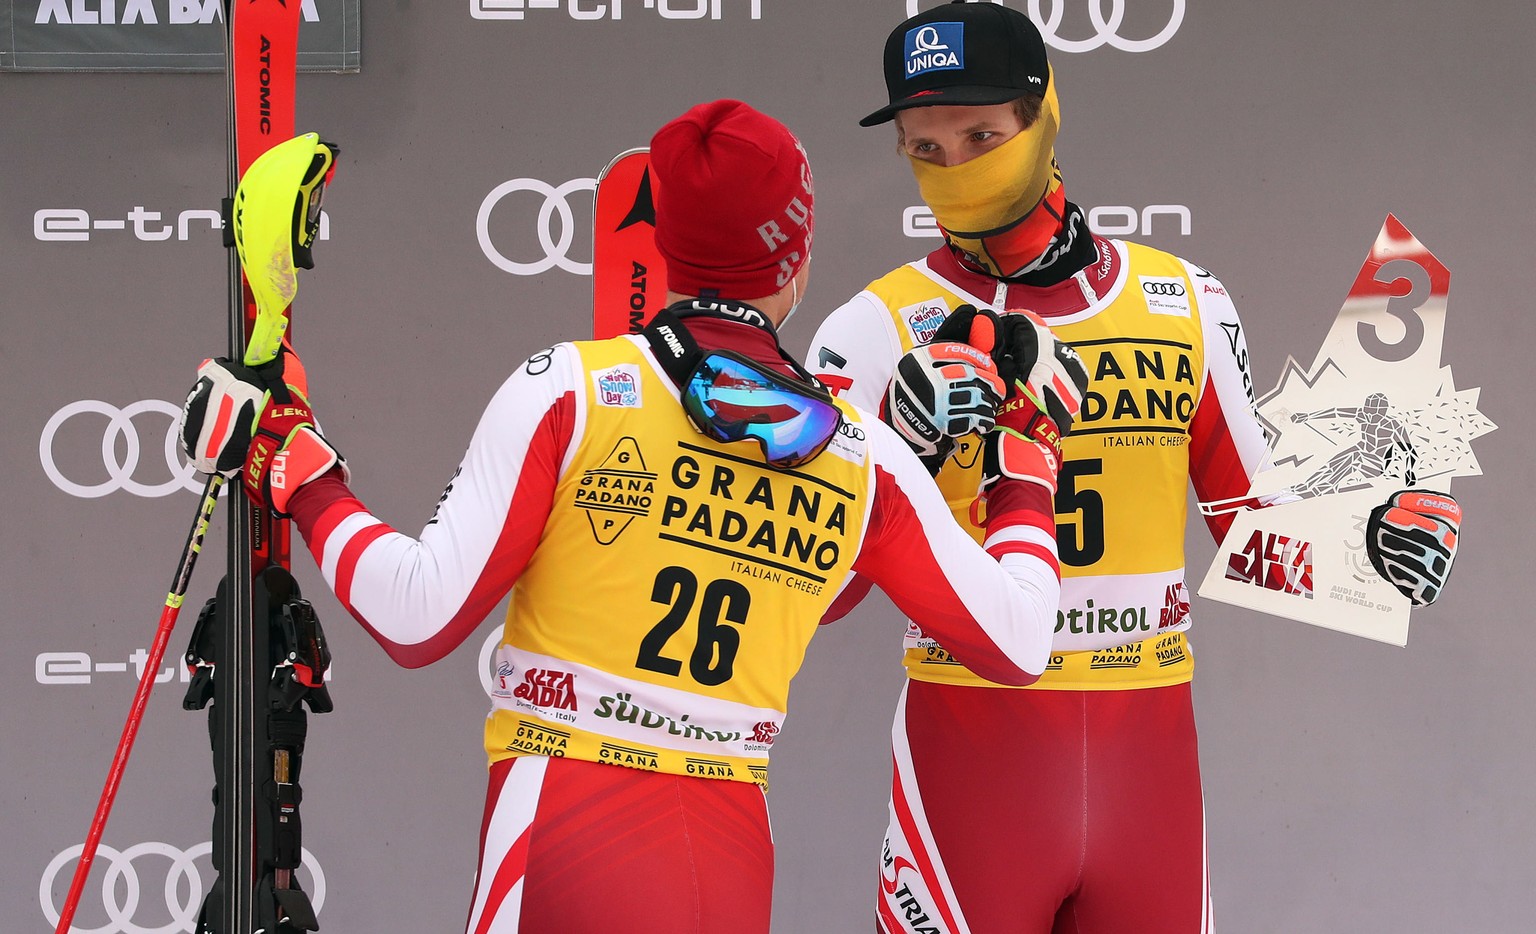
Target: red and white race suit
point(1072, 804)
point(664, 587)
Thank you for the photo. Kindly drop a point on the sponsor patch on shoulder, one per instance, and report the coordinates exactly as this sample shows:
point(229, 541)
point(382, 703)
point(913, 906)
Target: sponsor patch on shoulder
point(850, 443)
point(618, 387)
point(1166, 295)
point(924, 318)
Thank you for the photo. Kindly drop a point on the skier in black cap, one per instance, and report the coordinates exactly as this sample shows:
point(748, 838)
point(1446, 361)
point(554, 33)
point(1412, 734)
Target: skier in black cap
point(1072, 805)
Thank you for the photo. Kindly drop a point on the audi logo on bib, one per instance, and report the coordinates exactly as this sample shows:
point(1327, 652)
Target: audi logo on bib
point(140, 889)
point(1049, 14)
point(1162, 288)
point(554, 239)
point(121, 465)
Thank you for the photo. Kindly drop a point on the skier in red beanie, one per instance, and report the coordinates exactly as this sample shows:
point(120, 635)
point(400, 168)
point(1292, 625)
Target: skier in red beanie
point(673, 512)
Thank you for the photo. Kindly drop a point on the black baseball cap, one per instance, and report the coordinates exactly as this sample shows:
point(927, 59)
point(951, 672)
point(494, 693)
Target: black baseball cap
point(962, 53)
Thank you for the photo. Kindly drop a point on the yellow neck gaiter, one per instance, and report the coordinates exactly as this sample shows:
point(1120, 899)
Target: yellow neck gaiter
point(1001, 208)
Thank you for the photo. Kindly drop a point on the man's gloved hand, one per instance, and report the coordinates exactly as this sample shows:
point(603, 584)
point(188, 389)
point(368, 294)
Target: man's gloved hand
point(1005, 453)
point(219, 416)
point(945, 389)
point(1046, 385)
point(257, 421)
point(1411, 541)
point(1046, 379)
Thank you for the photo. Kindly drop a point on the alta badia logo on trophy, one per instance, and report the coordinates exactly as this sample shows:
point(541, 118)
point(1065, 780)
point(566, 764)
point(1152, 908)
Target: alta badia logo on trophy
point(1282, 563)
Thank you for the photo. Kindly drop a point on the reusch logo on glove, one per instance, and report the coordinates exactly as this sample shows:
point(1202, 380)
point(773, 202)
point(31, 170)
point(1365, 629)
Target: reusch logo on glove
point(914, 419)
point(957, 349)
point(1431, 504)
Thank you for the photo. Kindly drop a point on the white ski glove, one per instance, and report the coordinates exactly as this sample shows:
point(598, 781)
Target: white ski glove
point(947, 389)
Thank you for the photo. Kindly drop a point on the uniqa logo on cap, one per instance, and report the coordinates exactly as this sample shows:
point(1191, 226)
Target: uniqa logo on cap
point(935, 47)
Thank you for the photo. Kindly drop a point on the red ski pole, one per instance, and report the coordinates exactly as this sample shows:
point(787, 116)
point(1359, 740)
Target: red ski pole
point(277, 209)
point(168, 616)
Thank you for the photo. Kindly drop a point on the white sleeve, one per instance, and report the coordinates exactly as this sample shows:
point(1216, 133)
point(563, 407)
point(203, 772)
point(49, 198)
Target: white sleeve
point(1228, 446)
point(420, 597)
point(993, 607)
point(855, 351)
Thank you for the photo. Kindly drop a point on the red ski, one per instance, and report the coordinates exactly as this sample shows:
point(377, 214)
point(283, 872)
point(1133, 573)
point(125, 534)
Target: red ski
point(261, 74)
point(629, 280)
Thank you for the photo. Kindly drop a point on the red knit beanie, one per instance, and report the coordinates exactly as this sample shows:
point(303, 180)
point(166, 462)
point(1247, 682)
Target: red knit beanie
point(733, 202)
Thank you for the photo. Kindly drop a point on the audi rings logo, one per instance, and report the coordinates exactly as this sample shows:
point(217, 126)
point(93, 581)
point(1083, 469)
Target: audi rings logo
point(487, 659)
point(124, 889)
point(1162, 288)
point(121, 465)
point(1106, 29)
point(555, 239)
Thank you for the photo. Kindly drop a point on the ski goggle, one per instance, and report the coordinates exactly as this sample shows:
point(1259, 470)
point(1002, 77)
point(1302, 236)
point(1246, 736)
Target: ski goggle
point(277, 216)
point(311, 196)
point(729, 398)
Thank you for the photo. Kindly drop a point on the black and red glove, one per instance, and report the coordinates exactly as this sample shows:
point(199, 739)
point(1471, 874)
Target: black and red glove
point(1046, 385)
point(1411, 541)
point(1046, 379)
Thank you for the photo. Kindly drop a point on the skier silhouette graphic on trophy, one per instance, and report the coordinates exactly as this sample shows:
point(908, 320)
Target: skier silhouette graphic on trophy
point(1376, 454)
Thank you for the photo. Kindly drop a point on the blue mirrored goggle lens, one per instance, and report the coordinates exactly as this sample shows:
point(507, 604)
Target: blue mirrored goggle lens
point(732, 401)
